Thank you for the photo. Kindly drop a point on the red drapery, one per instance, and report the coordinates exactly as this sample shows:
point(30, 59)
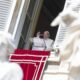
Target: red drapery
point(31, 62)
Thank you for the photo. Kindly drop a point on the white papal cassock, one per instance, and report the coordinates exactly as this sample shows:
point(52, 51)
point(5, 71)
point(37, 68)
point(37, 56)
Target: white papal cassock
point(37, 43)
point(42, 44)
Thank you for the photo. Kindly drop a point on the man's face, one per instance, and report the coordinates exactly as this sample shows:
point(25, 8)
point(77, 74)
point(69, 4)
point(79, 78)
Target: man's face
point(46, 34)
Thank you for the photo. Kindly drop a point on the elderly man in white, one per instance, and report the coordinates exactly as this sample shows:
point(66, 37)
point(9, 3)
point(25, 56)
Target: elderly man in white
point(47, 41)
point(44, 43)
point(37, 42)
point(8, 70)
point(70, 47)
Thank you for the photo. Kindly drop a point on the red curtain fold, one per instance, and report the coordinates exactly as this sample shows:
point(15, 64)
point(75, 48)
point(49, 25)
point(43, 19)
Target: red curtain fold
point(31, 62)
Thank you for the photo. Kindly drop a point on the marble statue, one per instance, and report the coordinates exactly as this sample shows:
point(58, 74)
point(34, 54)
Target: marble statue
point(8, 70)
point(70, 47)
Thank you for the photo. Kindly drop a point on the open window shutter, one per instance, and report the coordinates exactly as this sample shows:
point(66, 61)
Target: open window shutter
point(62, 31)
point(6, 12)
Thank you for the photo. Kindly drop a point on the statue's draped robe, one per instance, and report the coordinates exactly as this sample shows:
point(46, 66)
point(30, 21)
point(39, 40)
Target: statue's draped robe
point(8, 70)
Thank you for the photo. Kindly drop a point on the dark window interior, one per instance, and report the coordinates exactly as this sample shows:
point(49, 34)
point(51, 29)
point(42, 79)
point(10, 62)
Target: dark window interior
point(49, 11)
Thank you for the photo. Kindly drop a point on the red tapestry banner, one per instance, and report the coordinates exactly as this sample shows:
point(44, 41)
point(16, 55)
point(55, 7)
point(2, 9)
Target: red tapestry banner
point(31, 62)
